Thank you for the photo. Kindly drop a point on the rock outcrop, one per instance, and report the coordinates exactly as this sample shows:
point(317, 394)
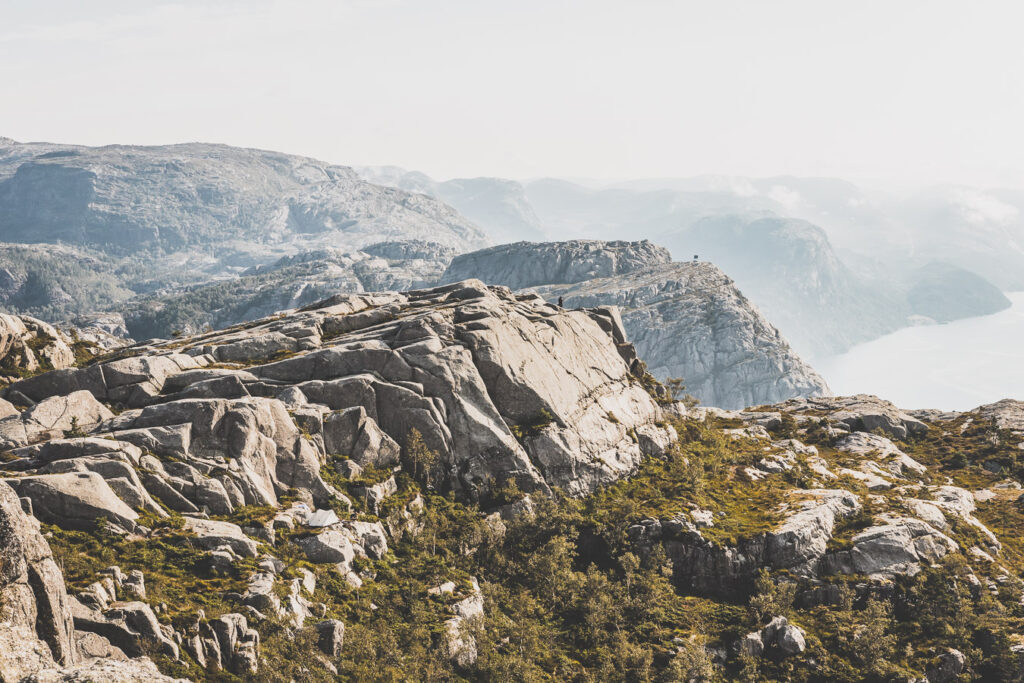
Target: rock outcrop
point(685, 319)
point(469, 388)
point(861, 412)
point(530, 264)
point(29, 345)
point(796, 545)
point(32, 593)
point(688, 320)
point(504, 388)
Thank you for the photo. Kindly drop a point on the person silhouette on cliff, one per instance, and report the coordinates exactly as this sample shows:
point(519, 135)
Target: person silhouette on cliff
point(560, 301)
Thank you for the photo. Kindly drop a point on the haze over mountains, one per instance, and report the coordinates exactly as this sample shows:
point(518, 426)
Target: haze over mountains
point(832, 264)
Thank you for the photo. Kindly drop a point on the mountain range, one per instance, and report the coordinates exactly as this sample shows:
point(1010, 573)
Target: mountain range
point(830, 263)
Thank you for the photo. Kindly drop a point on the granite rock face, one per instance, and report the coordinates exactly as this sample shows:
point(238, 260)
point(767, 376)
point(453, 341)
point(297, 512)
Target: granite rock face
point(32, 593)
point(504, 388)
point(686, 319)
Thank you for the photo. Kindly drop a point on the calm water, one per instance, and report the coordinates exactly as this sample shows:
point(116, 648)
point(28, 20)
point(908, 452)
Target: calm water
point(955, 366)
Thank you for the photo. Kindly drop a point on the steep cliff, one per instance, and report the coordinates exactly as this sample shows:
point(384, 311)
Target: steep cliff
point(686, 319)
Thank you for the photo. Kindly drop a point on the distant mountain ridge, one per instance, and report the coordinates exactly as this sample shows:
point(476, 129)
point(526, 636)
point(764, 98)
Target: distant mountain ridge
point(129, 199)
point(497, 204)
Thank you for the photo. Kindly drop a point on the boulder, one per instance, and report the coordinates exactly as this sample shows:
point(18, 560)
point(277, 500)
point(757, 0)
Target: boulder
point(238, 645)
point(787, 638)
point(211, 535)
point(74, 500)
point(371, 536)
point(376, 494)
point(330, 637)
point(947, 667)
point(790, 640)
point(752, 644)
point(51, 418)
point(334, 546)
point(260, 593)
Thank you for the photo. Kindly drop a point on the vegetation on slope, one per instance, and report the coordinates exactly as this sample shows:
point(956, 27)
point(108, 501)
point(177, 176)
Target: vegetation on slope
point(568, 598)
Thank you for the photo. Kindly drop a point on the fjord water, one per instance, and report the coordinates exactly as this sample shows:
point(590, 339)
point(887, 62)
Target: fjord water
point(955, 366)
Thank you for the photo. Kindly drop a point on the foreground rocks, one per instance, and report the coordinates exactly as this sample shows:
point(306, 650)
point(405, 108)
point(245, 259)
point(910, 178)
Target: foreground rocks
point(290, 462)
point(468, 388)
point(505, 388)
point(847, 529)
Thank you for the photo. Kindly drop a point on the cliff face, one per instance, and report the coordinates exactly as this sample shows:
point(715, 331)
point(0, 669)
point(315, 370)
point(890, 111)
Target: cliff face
point(686, 319)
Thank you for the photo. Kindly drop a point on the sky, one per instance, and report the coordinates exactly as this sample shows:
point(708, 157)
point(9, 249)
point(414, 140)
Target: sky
point(900, 90)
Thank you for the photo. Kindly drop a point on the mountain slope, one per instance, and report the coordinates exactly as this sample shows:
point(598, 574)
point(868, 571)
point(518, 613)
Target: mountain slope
point(943, 293)
point(126, 200)
point(291, 282)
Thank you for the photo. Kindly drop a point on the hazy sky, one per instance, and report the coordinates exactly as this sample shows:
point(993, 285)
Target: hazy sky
point(904, 90)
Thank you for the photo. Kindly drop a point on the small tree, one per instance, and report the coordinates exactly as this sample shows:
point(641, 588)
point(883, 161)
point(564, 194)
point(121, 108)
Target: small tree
point(75, 431)
point(872, 644)
point(771, 598)
point(420, 458)
point(677, 390)
point(692, 663)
